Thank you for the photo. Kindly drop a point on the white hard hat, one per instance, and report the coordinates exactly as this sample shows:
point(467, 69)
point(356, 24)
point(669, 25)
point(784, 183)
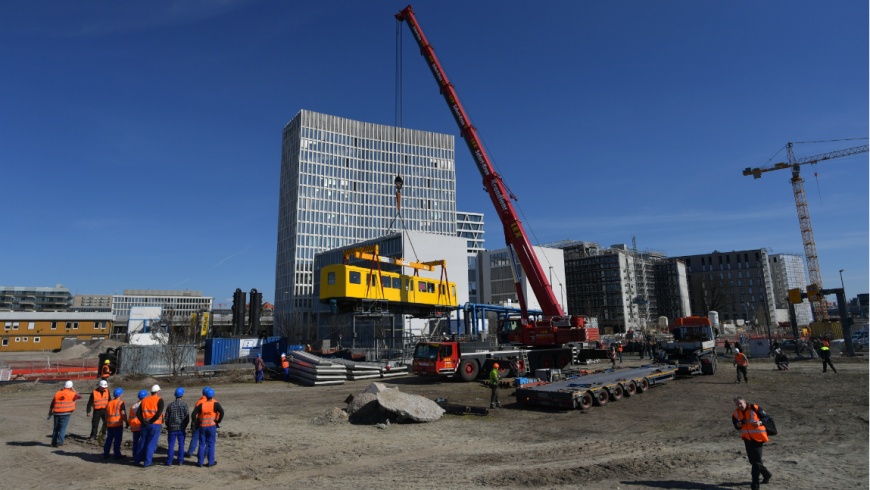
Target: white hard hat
point(737, 350)
point(68, 384)
point(283, 355)
point(155, 388)
point(103, 383)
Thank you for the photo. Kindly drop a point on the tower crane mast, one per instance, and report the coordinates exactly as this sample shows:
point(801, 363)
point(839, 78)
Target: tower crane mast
point(800, 198)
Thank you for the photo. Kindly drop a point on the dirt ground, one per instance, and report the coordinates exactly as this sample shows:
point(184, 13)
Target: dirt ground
point(677, 435)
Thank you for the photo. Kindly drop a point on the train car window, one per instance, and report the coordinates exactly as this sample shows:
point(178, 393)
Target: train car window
point(330, 278)
point(355, 277)
point(431, 287)
point(422, 286)
point(409, 285)
point(385, 281)
point(397, 283)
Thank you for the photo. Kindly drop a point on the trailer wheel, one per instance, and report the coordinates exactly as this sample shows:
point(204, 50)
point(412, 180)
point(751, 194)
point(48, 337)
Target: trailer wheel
point(584, 402)
point(630, 388)
point(601, 397)
point(709, 369)
point(643, 386)
point(468, 370)
point(616, 392)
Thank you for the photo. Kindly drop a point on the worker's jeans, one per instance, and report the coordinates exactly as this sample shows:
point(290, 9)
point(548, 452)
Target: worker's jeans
point(58, 433)
point(113, 440)
point(286, 374)
point(194, 440)
point(137, 446)
point(175, 435)
point(207, 440)
point(150, 437)
point(742, 369)
point(95, 421)
point(258, 376)
point(754, 451)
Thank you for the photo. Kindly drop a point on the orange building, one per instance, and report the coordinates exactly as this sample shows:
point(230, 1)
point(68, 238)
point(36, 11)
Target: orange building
point(28, 331)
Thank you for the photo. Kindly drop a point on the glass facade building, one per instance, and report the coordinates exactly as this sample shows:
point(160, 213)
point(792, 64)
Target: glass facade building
point(470, 227)
point(789, 272)
point(338, 188)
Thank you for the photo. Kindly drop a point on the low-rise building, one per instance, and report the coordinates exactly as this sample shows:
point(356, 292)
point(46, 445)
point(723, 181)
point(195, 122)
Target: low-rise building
point(28, 331)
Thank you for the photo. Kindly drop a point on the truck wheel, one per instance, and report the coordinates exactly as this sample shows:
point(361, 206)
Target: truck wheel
point(584, 402)
point(643, 386)
point(468, 370)
point(630, 388)
point(601, 397)
point(616, 392)
point(709, 369)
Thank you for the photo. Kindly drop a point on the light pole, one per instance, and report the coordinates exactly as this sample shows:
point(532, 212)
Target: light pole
point(844, 292)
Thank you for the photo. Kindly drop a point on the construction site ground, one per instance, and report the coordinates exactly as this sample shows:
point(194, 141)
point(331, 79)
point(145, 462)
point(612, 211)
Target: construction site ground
point(280, 435)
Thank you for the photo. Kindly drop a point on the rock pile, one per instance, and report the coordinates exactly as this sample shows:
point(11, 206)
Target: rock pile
point(380, 404)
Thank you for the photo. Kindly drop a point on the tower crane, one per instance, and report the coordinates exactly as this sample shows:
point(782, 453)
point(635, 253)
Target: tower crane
point(800, 198)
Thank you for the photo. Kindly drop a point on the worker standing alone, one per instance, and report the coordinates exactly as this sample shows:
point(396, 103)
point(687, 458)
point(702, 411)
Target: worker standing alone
point(207, 416)
point(826, 355)
point(285, 365)
point(116, 415)
point(742, 363)
point(493, 386)
point(259, 366)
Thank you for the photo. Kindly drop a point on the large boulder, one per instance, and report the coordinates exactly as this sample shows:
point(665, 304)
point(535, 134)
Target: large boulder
point(409, 407)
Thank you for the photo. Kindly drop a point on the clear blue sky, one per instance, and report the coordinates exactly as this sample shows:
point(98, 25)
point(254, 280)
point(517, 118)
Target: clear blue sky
point(140, 141)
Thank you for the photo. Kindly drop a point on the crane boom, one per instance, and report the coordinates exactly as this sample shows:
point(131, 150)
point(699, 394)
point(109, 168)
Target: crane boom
point(515, 235)
point(800, 198)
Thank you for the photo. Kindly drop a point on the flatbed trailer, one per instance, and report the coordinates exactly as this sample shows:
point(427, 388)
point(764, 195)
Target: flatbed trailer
point(597, 388)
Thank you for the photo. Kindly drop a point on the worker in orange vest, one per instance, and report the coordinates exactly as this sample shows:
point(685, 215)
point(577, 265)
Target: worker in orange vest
point(116, 415)
point(619, 351)
point(105, 370)
point(285, 365)
point(750, 420)
point(98, 401)
point(62, 406)
point(135, 425)
point(194, 438)
point(742, 363)
point(207, 416)
point(150, 413)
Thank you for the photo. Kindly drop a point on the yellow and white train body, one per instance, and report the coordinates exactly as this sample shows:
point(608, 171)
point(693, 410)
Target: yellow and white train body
point(348, 283)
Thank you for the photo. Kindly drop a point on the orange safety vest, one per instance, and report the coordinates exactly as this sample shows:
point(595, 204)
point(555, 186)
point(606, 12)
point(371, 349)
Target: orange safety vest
point(114, 418)
point(149, 408)
point(285, 363)
point(619, 348)
point(133, 420)
point(207, 414)
point(741, 359)
point(748, 430)
point(101, 399)
point(105, 371)
point(65, 401)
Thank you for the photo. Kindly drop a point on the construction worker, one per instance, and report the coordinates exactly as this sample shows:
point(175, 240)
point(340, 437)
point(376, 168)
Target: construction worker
point(105, 370)
point(136, 426)
point(619, 351)
point(194, 438)
point(98, 401)
point(177, 418)
point(826, 355)
point(285, 365)
point(750, 420)
point(208, 416)
point(116, 416)
point(493, 386)
point(150, 413)
point(742, 363)
point(259, 366)
point(62, 406)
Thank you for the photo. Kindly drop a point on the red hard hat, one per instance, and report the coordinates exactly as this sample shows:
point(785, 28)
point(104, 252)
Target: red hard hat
point(495, 365)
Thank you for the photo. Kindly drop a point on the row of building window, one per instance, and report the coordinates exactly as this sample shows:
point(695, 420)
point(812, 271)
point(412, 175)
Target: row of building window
point(21, 339)
point(69, 325)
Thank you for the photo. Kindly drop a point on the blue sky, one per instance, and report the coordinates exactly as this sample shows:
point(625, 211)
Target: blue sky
point(140, 141)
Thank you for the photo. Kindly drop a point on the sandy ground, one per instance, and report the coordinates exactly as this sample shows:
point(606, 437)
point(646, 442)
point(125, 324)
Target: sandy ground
point(677, 435)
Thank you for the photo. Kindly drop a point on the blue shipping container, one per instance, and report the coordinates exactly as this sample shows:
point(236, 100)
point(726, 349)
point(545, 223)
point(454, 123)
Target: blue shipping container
point(221, 351)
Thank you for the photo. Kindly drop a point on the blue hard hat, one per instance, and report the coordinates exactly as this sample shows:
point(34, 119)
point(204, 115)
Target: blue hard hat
point(209, 393)
point(118, 392)
point(143, 394)
point(179, 392)
point(205, 390)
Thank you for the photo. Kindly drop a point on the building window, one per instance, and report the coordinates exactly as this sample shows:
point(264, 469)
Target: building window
point(5, 342)
point(31, 325)
point(24, 339)
point(15, 326)
point(54, 325)
point(68, 325)
point(18, 339)
point(35, 340)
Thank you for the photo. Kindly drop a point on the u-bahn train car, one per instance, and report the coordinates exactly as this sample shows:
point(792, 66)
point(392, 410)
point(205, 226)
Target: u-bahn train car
point(348, 283)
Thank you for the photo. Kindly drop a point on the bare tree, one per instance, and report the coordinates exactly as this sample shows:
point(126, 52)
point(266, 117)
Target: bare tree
point(177, 337)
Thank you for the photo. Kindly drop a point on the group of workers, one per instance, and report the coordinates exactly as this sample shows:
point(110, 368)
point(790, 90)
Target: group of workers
point(260, 367)
point(145, 419)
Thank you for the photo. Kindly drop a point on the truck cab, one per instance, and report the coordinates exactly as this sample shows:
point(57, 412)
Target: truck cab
point(693, 346)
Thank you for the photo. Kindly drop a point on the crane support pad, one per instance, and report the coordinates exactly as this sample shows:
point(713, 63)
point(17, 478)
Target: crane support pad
point(609, 384)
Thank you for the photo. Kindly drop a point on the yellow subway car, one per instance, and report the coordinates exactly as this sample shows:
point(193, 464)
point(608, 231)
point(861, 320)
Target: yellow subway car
point(347, 282)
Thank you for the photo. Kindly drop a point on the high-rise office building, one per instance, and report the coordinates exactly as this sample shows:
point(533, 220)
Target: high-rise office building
point(338, 187)
point(470, 227)
point(789, 272)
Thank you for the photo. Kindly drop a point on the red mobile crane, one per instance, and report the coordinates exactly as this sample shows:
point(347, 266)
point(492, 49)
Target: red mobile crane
point(556, 328)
